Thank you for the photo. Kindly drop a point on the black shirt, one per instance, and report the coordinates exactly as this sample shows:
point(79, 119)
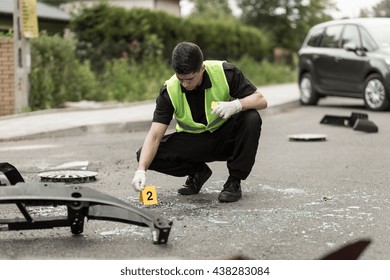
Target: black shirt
point(239, 87)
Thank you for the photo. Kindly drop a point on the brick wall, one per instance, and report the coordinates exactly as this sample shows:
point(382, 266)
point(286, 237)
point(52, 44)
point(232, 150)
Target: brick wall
point(7, 96)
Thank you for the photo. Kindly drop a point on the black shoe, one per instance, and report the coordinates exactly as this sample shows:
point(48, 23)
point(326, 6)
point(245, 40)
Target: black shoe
point(195, 182)
point(231, 192)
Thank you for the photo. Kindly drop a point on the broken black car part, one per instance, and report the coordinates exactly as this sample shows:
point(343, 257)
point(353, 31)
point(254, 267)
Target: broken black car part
point(358, 121)
point(80, 202)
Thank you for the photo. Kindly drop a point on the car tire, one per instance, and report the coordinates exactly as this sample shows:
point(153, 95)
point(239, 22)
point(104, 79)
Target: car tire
point(308, 95)
point(374, 93)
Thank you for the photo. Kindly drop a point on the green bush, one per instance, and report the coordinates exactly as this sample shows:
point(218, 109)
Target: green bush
point(124, 81)
point(7, 34)
point(130, 51)
point(264, 72)
point(107, 32)
point(56, 74)
point(240, 40)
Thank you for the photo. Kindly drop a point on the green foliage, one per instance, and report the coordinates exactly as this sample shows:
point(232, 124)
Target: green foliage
point(130, 50)
point(241, 40)
point(215, 9)
point(287, 22)
point(105, 32)
point(382, 9)
point(264, 72)
point(124, 81)
point(56, 74)
point(9, 34)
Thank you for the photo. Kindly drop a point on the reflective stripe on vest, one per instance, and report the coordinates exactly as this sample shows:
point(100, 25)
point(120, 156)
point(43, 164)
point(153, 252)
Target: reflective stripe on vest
point(219, 91)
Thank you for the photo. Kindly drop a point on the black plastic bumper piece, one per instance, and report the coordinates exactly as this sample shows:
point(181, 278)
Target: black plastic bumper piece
point(358, 121)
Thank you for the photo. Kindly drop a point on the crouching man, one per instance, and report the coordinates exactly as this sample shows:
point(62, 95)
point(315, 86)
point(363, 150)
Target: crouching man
point(215, 107)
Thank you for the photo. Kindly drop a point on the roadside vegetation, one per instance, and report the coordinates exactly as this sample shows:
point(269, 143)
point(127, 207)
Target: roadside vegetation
point(124, 55)
point(58, 76)
point(6, 35)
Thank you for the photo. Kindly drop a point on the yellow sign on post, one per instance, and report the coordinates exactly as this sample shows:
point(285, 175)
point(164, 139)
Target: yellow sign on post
point(148, 195)
point(29, 18)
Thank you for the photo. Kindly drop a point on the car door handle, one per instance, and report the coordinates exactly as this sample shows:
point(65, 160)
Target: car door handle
point(337, 58)
point(316, 56)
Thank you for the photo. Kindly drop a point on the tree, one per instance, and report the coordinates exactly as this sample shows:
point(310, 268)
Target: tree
point(382, 9)
point(213, 9)
point(365, 13)
point(287, 21)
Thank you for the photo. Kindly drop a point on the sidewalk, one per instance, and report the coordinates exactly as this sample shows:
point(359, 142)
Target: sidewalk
point(91, 117)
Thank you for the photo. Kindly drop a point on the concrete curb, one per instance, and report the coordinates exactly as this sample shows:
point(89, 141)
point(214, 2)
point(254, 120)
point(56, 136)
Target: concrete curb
point(125, 127)
point(82, 118)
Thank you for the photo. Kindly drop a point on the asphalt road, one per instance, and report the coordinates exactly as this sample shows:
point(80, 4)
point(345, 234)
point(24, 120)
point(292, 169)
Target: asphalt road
point(302, 200)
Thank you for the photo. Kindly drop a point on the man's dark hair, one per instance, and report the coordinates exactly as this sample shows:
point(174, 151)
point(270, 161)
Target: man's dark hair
point(187, 58)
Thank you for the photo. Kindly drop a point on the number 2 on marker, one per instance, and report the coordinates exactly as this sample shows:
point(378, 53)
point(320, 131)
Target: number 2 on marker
point(148, 195)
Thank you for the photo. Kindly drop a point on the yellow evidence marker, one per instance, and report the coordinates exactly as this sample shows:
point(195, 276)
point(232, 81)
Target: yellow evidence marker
point(148, 195)
point(214, 104)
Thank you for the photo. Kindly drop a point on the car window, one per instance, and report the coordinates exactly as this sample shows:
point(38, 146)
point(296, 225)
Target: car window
point(350, 35)
point(367, 42)
point(315, 37)
point(380, 31)
point(332, 36)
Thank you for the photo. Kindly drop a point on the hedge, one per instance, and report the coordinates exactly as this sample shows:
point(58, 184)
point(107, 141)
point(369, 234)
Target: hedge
point(106, 32)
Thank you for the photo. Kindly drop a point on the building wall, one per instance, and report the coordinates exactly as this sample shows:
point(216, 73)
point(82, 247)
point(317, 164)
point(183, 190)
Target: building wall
point(169, 6)
point(7, 96)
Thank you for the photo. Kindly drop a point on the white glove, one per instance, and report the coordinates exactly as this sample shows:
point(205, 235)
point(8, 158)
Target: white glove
point(139, 180)
point(227, 109)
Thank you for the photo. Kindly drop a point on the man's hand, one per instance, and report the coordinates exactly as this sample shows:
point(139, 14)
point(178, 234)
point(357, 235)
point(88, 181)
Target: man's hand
point(139, 180)
point(227, 109)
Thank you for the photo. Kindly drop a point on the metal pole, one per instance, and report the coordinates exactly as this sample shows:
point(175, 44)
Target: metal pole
point(22, 58)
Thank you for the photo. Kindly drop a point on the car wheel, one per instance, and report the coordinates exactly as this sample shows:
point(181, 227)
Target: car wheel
point(308, 94)
point(375, 96)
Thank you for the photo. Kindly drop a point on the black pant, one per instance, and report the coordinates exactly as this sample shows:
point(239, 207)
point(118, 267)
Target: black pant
point(236, 141)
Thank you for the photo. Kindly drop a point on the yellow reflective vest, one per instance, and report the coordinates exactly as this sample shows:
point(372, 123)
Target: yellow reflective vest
point(219, 91)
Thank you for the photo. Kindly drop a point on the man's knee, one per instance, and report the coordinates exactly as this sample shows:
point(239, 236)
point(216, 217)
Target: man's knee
point(252, 118)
